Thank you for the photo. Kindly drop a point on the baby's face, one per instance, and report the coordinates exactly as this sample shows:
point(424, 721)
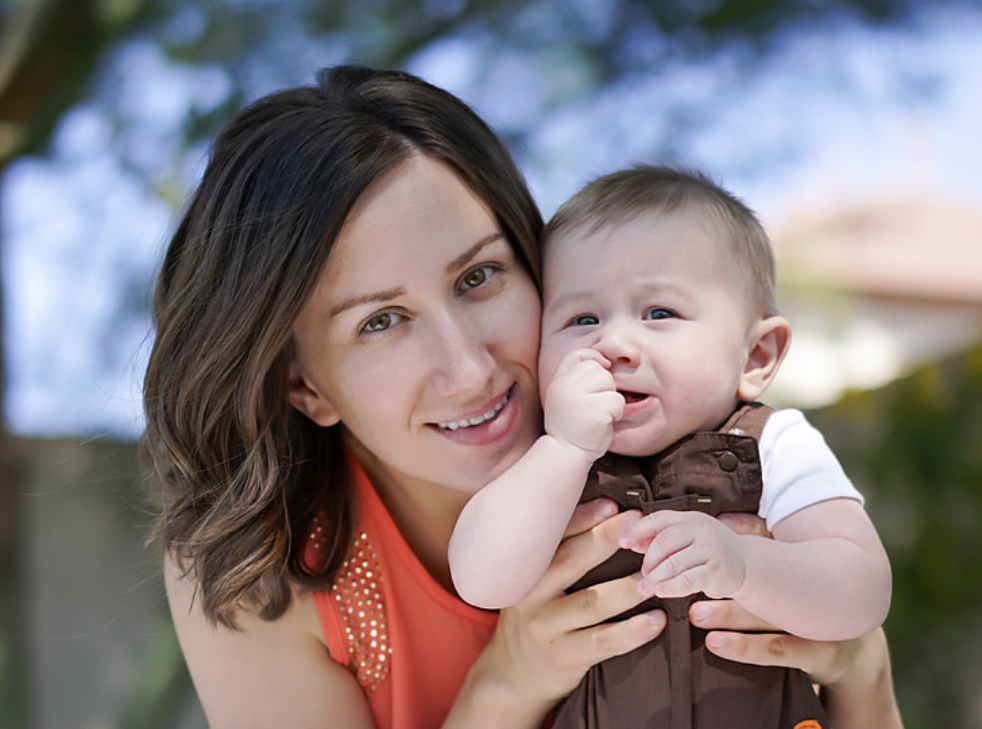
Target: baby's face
point(664, 300)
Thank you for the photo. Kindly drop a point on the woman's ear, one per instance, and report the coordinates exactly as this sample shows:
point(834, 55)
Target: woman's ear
point(768, 343)
point(308, 400)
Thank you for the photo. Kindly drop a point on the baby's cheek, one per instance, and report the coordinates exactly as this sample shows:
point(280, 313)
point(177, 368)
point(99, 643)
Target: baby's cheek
point(548, 361)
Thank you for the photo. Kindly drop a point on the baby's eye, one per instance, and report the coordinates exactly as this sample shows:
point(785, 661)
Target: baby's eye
point(658, 312)
point(381, 321)
point(584, 320)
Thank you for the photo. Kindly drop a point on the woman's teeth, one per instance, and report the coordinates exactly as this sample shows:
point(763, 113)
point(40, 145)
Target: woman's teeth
point(479, 420)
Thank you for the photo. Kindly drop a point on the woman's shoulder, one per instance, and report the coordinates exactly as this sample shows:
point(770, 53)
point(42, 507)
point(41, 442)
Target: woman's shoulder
point(183, 598)
point(262, 673)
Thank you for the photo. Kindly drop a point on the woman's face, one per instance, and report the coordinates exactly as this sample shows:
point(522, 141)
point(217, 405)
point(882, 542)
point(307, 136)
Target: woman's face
point(422, 334)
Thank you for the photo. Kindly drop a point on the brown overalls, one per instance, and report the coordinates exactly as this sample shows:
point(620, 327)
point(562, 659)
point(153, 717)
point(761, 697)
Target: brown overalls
point(674, 682)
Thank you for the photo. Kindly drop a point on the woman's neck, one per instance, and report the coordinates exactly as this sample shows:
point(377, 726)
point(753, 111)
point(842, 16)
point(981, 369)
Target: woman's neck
point(425, 513)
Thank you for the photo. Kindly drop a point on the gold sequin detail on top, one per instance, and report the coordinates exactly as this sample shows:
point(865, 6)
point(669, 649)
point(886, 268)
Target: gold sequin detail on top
point(358, 591)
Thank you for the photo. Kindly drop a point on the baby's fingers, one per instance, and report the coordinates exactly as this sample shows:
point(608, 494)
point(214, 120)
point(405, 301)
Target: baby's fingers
point(613, 404)
point(638, 536)
point(680, 574)
point(581, 359)
point(592, 355)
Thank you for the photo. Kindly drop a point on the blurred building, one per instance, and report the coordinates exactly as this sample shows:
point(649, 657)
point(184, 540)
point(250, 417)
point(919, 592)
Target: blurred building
point(875, 288)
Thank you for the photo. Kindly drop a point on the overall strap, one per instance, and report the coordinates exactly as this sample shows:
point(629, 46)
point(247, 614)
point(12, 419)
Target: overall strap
point(748, 419)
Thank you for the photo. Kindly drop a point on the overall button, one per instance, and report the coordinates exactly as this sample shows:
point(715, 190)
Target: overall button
point(728, 461)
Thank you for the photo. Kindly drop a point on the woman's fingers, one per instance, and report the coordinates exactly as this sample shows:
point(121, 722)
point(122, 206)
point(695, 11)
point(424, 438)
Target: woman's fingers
point(725, 615)
point(544, 645)
point(582, 552)
point(588, 646)
point(538, 656)
point(588, 515)
point(746, 524)
point(582, 615)
point(594, 605)
point(824, 662)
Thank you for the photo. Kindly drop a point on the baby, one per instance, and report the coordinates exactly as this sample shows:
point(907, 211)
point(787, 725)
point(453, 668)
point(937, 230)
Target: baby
point(659, 333)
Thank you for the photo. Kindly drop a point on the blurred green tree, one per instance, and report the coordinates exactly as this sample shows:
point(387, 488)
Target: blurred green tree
point(48, 50)
point(914, 448)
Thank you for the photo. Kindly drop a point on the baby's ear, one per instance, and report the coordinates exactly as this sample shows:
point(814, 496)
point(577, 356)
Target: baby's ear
point(768, 343)
point(308, 400)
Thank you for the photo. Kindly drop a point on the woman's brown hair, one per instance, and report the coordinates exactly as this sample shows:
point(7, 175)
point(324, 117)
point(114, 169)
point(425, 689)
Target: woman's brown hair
point(241, 473)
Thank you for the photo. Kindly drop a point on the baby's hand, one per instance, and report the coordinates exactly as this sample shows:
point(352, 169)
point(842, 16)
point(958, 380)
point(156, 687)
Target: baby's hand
point(686, 552)
point(582, 402)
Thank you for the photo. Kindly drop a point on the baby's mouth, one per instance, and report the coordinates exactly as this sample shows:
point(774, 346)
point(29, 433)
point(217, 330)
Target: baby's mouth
point(632, 397)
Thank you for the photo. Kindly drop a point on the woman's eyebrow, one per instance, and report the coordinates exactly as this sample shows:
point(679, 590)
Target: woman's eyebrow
point(379, 297)
point(471, 253)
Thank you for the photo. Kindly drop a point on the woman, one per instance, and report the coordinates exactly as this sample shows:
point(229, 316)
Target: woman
point(347, 325)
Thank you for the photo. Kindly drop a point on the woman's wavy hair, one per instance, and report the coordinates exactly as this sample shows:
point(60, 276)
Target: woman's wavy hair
point(242, 474)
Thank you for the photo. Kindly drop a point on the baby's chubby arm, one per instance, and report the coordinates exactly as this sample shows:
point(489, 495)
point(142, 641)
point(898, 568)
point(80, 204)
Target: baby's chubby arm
point(824, 576)
point(507, 533)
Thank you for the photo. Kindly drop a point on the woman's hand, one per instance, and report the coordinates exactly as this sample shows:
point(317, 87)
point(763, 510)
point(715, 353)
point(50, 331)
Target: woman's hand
point(854, 675)
point(544, 645)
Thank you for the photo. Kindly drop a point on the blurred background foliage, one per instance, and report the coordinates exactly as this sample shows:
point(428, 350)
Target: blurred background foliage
point(914, 446)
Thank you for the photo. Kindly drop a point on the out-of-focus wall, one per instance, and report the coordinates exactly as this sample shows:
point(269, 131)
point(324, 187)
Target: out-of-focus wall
point(97, 636)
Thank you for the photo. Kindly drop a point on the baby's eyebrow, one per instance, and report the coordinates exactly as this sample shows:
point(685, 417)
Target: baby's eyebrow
point(570, 298)
point(379, 297)
point(471, 253)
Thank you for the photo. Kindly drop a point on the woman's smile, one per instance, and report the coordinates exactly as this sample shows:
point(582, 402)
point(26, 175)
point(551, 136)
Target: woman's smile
point(473, 422)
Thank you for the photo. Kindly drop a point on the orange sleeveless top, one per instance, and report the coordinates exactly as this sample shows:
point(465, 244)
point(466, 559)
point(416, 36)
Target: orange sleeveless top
point(407, 640)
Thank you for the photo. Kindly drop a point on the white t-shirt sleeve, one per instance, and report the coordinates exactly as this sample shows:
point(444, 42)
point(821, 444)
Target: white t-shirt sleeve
point(799, 468)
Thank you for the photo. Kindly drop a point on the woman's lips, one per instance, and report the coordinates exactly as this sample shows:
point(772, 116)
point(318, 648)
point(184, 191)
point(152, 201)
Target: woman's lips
point(485, 417)
point(493, 426)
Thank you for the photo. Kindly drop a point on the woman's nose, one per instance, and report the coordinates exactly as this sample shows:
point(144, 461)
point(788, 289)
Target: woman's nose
point(463, 363)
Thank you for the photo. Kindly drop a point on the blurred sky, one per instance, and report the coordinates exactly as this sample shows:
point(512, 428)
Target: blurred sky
point(837, 112)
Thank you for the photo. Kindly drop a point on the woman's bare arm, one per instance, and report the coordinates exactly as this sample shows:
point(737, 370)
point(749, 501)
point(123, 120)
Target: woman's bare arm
point(268, 673)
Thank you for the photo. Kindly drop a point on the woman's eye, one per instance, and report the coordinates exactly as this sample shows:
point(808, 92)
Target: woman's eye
point(658, 313)
point(584, 320)
point(381, 321)
point(477, 277)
